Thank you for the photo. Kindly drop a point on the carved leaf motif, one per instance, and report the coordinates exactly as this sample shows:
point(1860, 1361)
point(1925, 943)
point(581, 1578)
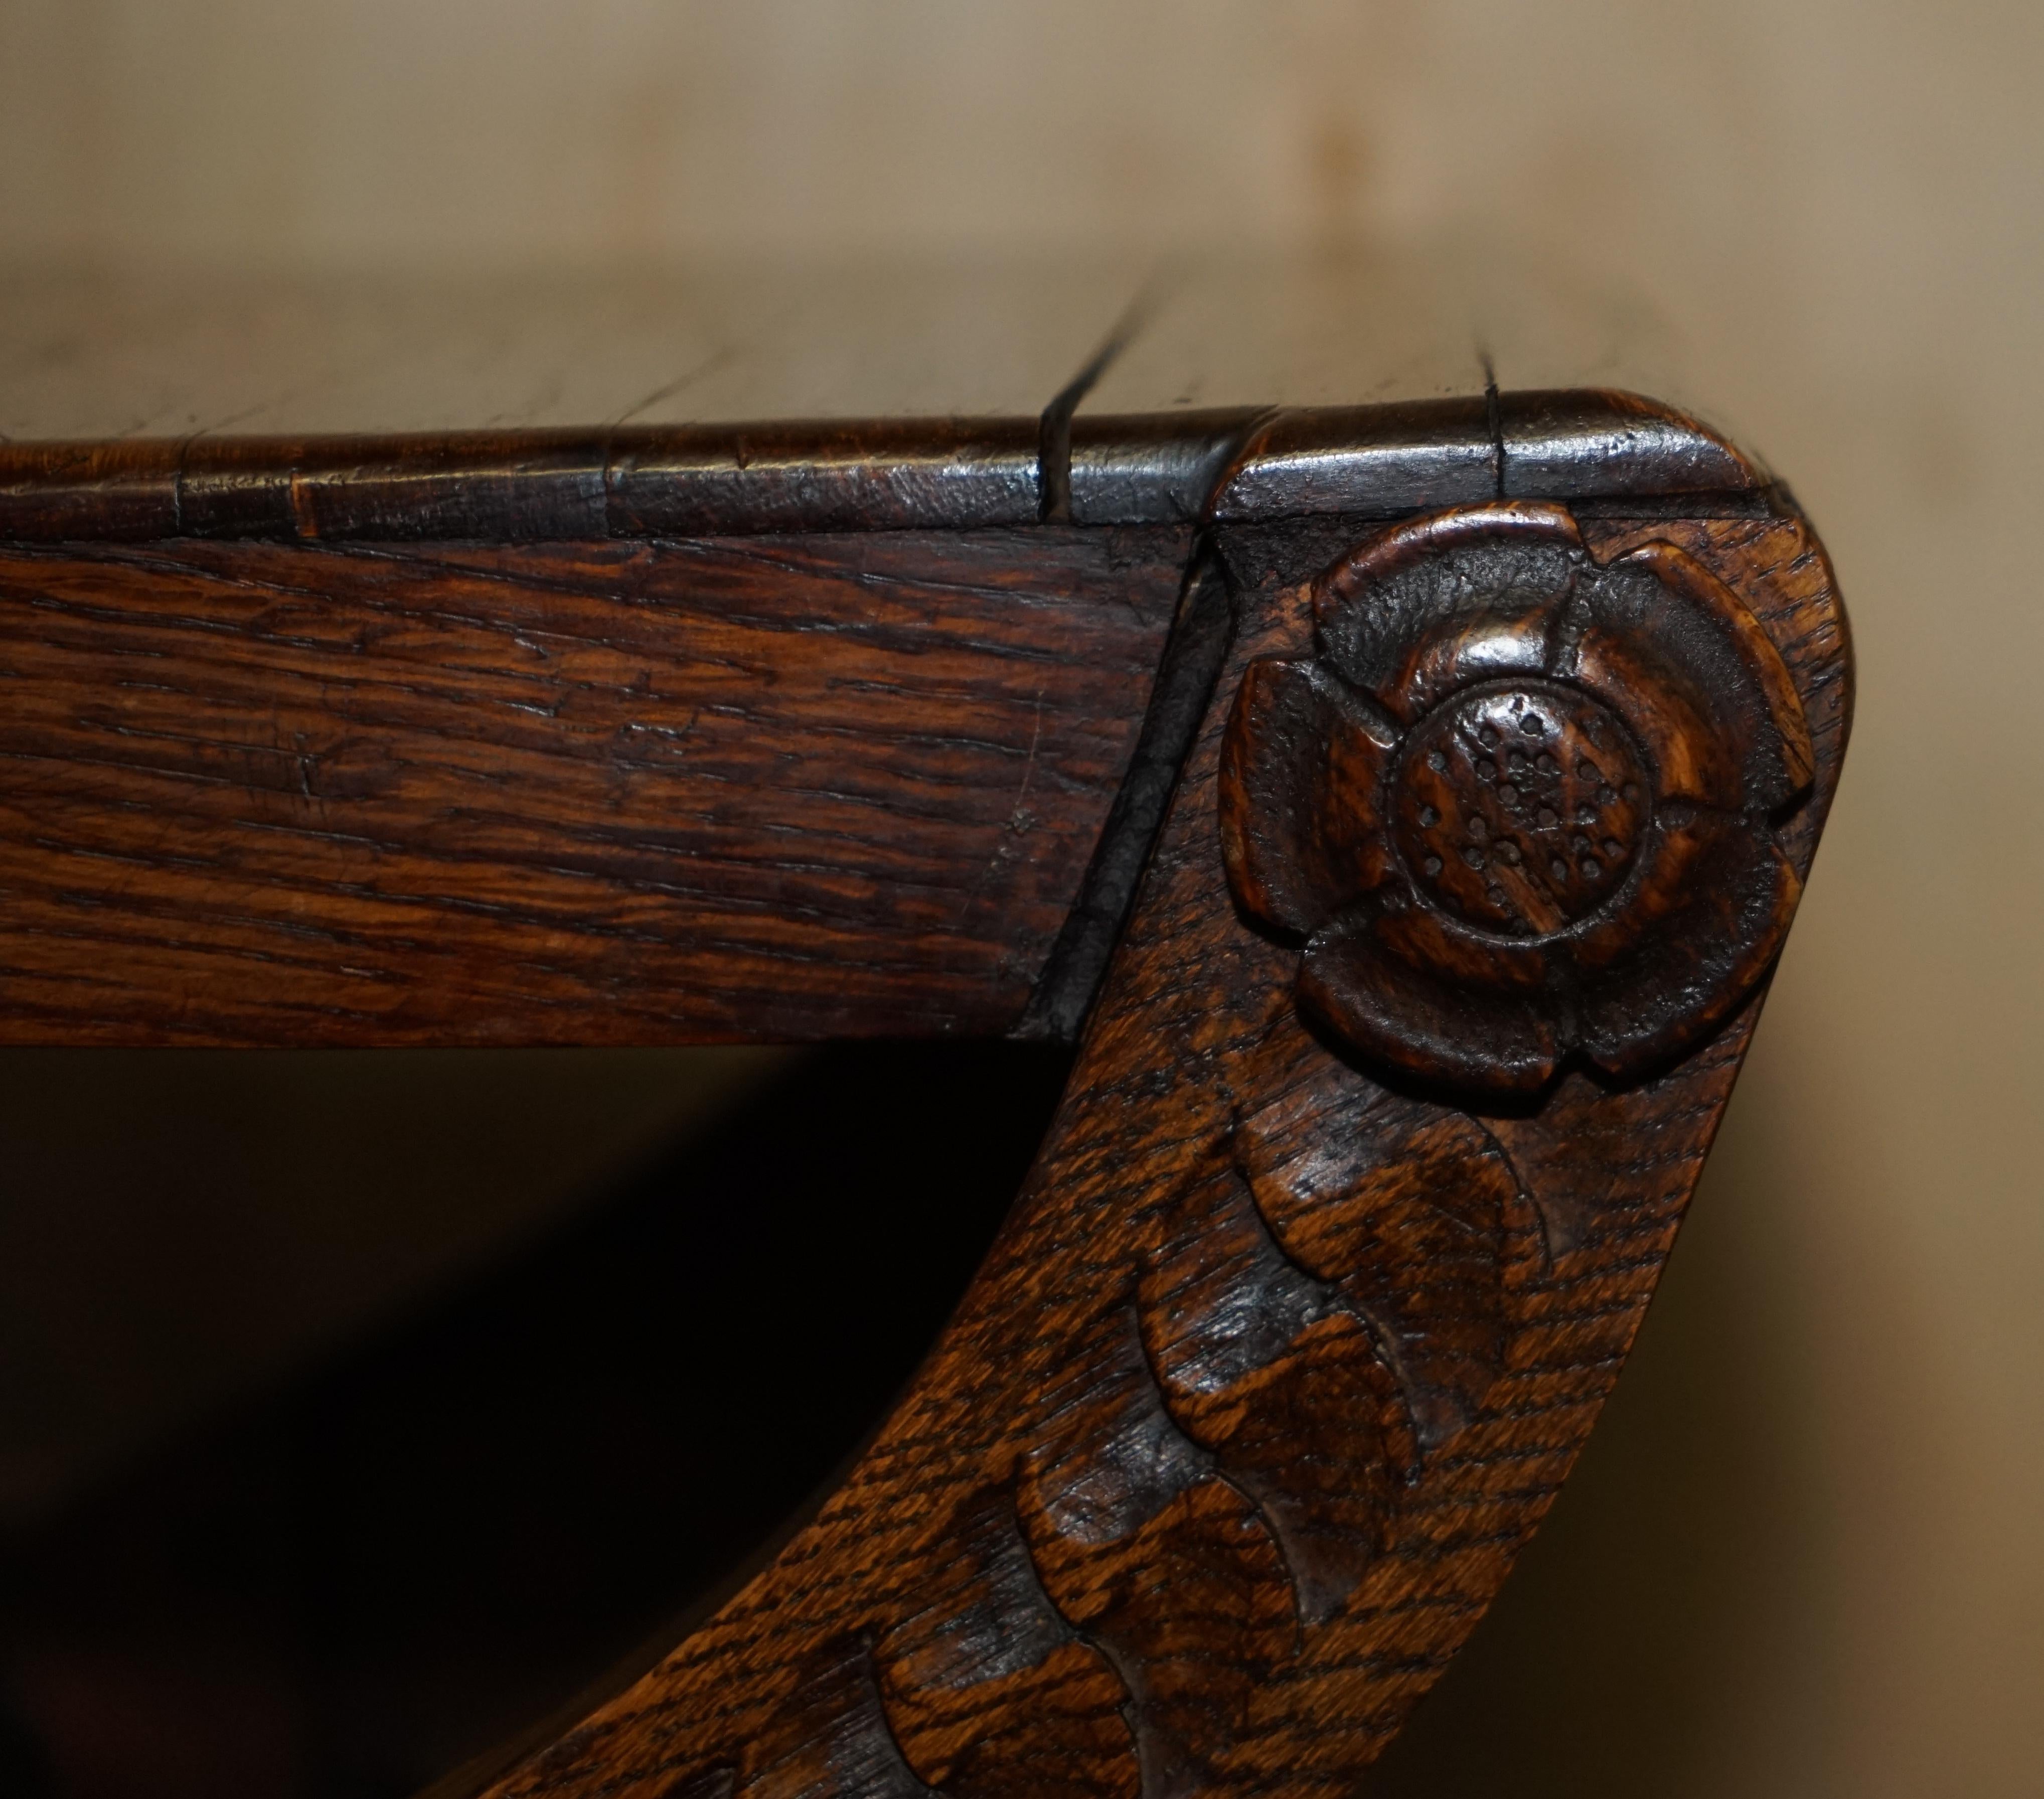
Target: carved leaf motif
point(1204, 1569)
point(1274, 1369)
point(1413, 1213)
point(987, 1690)
point(1148, 1554)
point(1057, 1727)
point(1266, 1367)
point(831, 1738)
point(1112, 1458)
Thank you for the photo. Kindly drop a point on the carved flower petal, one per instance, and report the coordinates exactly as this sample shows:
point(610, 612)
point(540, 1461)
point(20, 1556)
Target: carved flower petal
point(1670, 717)
point(1689, 667)
point(1649, 993)
point(1437, 944)
point(1409, 990)
point(1666, 883)
point(1300, 771)
point(1439, 602)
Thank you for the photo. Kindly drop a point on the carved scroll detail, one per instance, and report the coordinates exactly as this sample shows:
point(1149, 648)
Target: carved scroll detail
point(1276, 1366)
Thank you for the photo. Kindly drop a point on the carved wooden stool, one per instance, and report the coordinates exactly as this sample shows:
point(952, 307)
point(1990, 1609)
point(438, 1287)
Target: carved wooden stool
point(1402, 806)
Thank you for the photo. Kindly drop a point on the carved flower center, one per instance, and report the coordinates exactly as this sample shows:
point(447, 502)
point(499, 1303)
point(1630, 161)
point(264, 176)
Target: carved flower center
point(1517, 806)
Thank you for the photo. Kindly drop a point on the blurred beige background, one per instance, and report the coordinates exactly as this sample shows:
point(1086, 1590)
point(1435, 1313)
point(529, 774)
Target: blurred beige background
point(1803, 1556)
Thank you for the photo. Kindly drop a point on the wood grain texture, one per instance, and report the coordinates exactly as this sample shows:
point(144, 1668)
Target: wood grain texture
point(587, 792)
point(1268, 1378)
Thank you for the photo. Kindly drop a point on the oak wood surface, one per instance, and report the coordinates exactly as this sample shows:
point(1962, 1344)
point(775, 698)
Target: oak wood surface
point(1276, 1364)
point(494, 695)
point(772, 788)
point(289, 763)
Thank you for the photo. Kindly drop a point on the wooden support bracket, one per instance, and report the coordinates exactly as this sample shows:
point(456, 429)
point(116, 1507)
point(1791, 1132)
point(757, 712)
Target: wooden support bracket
point(1414, 919)
point(1380, 1131)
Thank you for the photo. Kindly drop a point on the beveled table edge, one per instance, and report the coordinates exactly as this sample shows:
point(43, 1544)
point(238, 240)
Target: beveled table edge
point(810, 475)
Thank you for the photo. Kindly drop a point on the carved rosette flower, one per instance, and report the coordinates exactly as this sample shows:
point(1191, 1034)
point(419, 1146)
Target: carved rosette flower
point(1518, 805)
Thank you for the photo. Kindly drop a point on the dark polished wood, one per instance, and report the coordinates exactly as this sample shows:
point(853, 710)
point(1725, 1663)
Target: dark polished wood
point(1402, 803)
point(291, 764)
point(1272, 1370)
point(1249, 463)
point(1521, 803)
point(758, 789)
